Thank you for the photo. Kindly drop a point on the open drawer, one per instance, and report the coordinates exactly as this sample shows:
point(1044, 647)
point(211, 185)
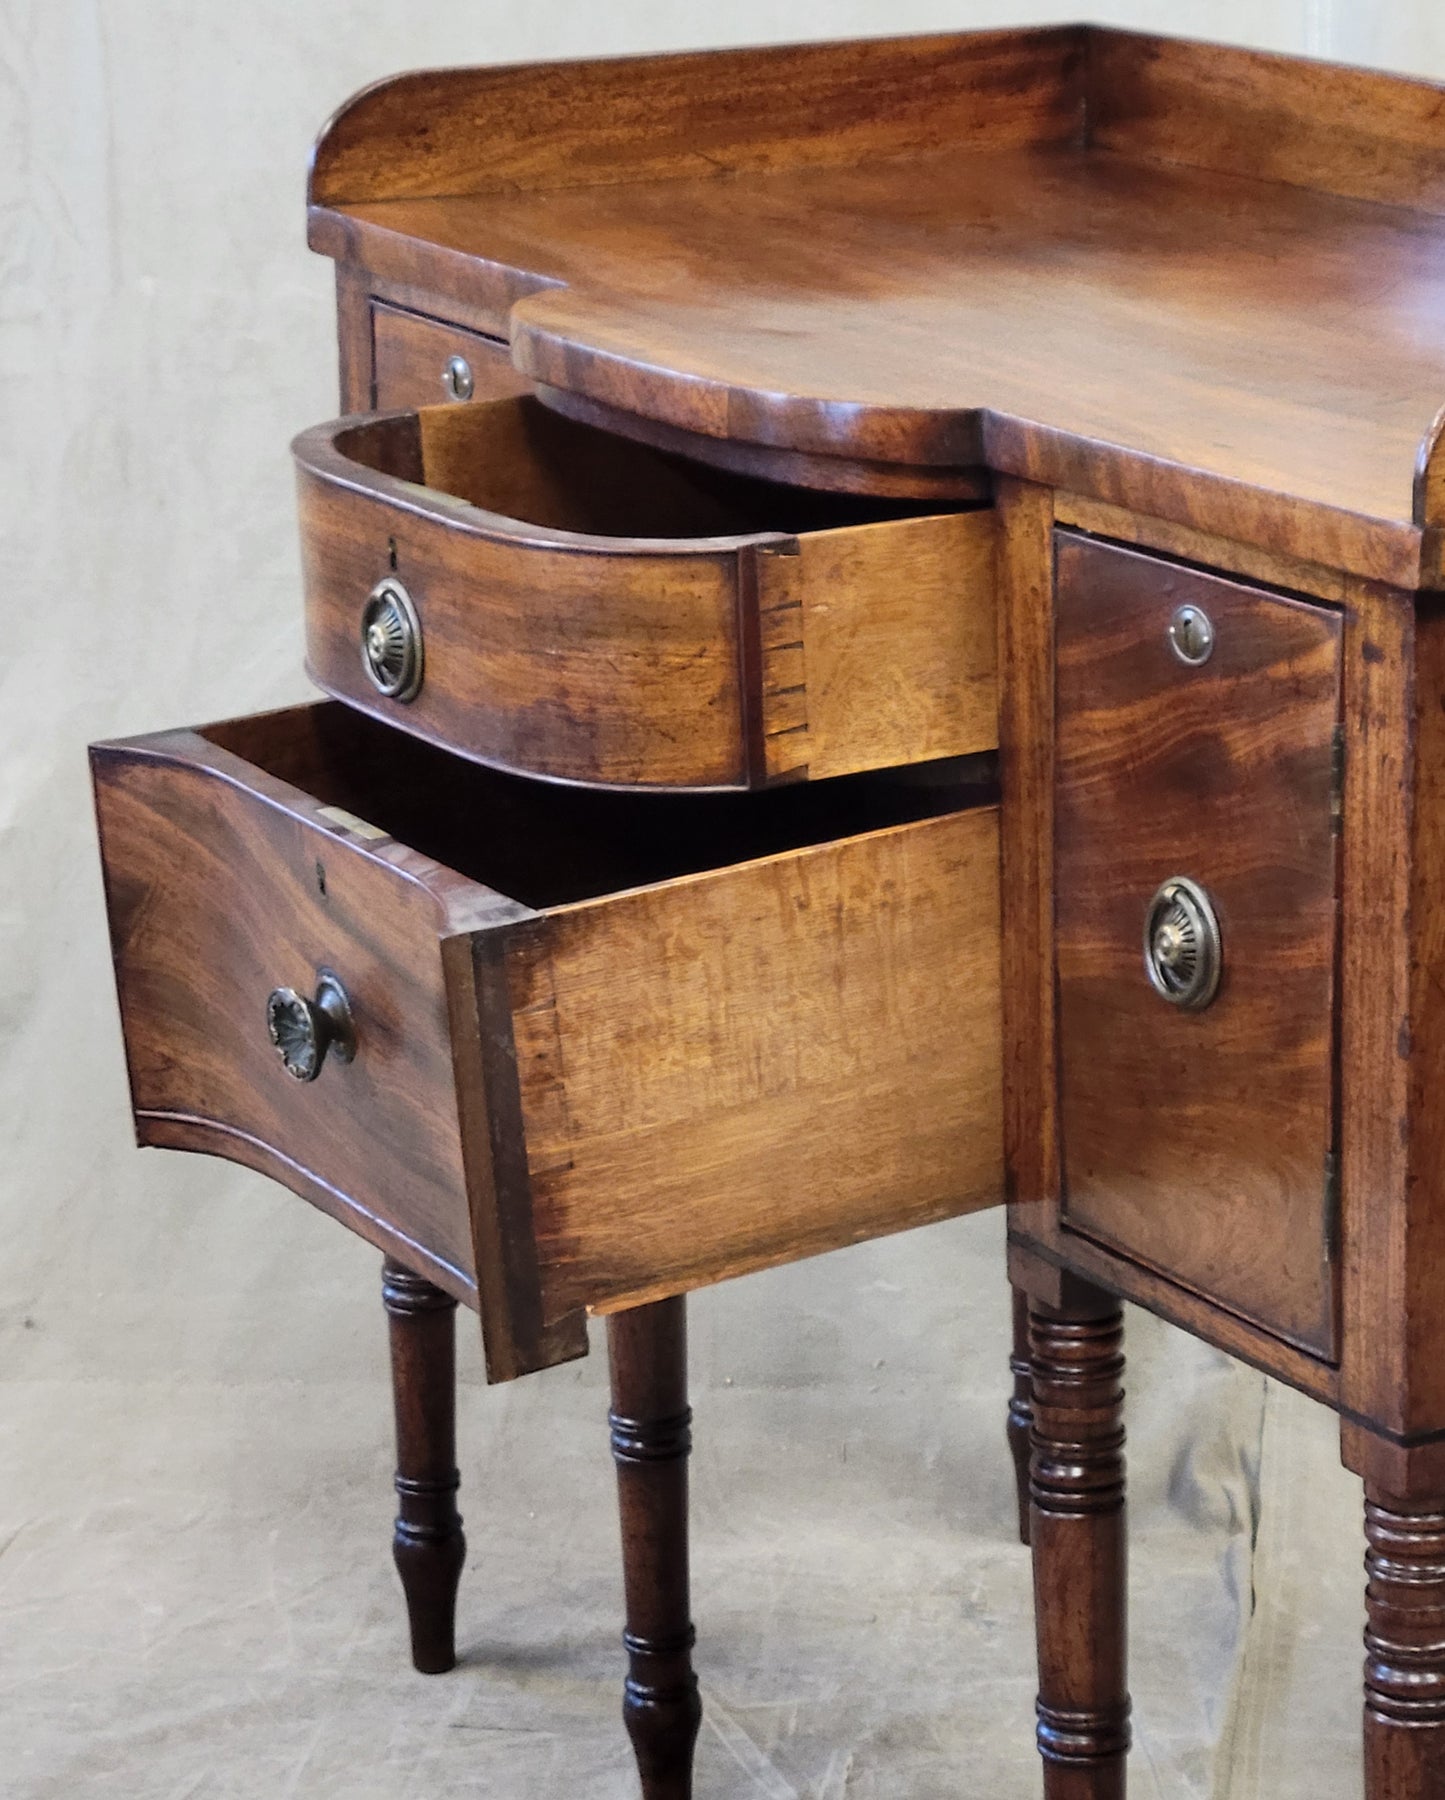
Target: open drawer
point(546, 597)
point(559, 1049)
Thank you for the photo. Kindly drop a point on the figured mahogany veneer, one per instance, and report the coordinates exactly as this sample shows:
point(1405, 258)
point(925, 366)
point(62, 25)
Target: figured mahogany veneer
point(594, 610)
point(607, 1047)
point(1201, 1143)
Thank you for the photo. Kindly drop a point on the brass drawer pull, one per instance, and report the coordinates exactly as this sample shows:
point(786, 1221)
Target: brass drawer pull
point(303, 1030)
point(391, 647)
point(1183, 951)
point(458, 380)
point(1191, 635)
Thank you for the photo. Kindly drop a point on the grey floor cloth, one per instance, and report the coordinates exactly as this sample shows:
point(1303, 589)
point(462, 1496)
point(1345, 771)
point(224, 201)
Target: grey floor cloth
point(196, 1601)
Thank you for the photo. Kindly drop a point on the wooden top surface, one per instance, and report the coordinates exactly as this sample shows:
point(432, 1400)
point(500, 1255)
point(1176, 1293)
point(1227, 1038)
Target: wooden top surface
point(1261, 357)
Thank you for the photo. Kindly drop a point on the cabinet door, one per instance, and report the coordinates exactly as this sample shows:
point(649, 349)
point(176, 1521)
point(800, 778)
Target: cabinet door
point(1196, 737)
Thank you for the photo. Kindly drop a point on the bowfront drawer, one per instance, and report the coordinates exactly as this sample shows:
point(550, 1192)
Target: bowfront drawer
point(546, 597)
point(418, 361)
point(562, 1049)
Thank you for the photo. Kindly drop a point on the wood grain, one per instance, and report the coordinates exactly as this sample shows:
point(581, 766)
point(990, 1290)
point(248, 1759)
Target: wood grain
point(353, 339)
point(225, 880)
point(775, 1060)
point(1026, 780)
point(654, 118)
point(215, 898)
point(1393, 1019)
point(1419, 1216)
point(913, 482)
point(563, 653)
point(1080, 1548)
point(1021, 1407)
point(1040, 1270)
point(1404, 1659)
point(1237, 416)
point(581, 1096)
point(1197, 1143)
point(1353, 132)
point(428, 1546)
point(1220, 554)
point(887, 289)
point(1429, 498)
point(651, 1442)
point(412, 354)
point(1199, 379)
point(600, 612)
point(886, 634)
point(1376, 1002)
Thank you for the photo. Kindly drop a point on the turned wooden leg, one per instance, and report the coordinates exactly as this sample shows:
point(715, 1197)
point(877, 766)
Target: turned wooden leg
point(428, 1544)
point(651, 1438)
point(1404, 1648)
point(1077, 1530)
point(1021, 1408)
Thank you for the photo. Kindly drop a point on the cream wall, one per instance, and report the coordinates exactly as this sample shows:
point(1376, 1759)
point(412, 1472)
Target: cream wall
point(162, 334)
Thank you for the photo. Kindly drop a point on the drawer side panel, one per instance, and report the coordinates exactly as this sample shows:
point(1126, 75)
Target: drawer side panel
point(879, 645)
point(753, 1066)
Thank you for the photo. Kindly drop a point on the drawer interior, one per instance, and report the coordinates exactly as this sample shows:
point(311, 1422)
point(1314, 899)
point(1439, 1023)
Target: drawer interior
point(548, 845)
point(516, 458)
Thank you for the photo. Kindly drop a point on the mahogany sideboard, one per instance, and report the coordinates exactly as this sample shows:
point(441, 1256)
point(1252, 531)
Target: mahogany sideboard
point(881, 604)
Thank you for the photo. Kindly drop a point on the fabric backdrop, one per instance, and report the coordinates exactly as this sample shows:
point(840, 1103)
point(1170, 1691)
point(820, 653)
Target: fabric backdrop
point(195, 1595)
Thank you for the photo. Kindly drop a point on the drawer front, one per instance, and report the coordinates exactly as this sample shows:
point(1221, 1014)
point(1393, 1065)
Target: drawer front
point(1199, 1140)
point(646, 1074)
point(418, 361)
point(225, 884)
point(595, 611)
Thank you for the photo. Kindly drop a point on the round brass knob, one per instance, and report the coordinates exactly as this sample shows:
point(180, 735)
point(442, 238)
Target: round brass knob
point(458, 380)
point(1191, 635)
point(303, 1030)
point(391, 649)
point(1183, 950)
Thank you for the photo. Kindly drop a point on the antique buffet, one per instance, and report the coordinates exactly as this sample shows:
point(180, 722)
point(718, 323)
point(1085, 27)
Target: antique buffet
point(879, 604)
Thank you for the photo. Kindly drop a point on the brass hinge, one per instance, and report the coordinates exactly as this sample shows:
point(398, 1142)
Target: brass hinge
point(1332, 1206)
point(1337, 780)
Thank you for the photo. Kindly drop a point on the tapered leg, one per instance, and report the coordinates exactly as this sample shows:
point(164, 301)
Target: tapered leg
point(1404, 1648)
point(1021, 1408)
point(1077, 1529)
point(651, 1439)
point(428, 1544)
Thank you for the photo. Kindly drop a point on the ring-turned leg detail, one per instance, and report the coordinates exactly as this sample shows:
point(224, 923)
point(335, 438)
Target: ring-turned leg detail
point(1021, 1407)
point(1079, 1545)
point(651, 1441)
point(1404, 1648)
point(428, 1544)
